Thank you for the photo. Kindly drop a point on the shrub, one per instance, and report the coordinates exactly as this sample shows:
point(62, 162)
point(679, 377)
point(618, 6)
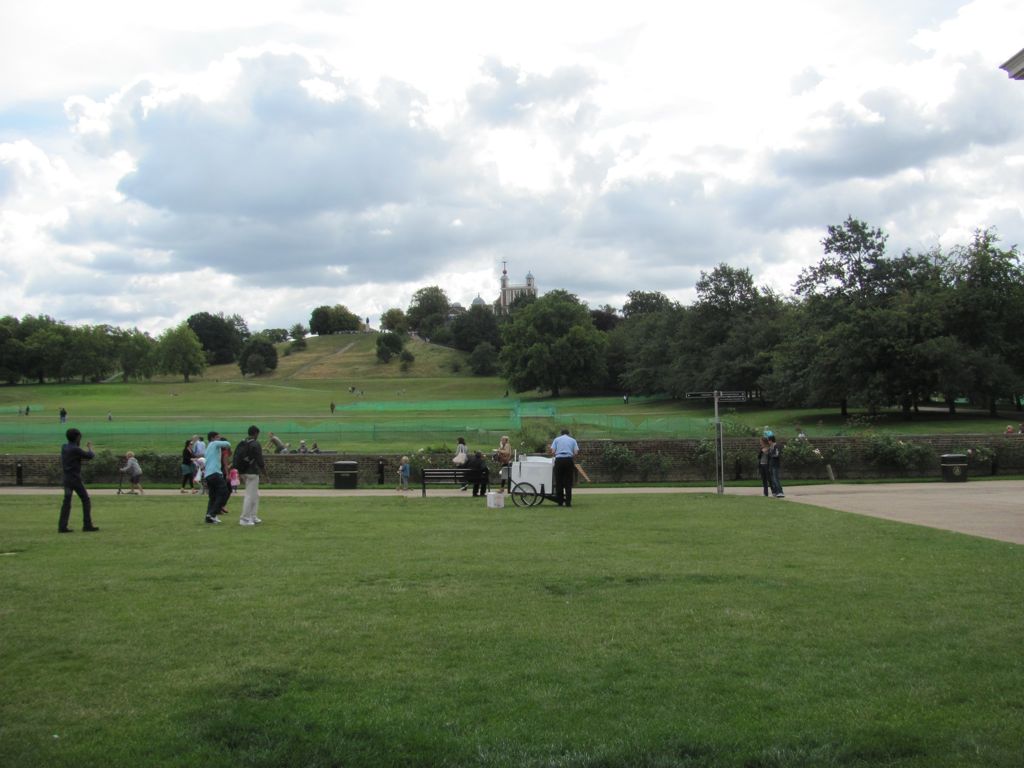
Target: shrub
point(618, 459)
point(800, 454)
point(889, 453)
point(388, 345)
point(741, 464)
point(654, 466)
point(534, 436)
point(257, 356)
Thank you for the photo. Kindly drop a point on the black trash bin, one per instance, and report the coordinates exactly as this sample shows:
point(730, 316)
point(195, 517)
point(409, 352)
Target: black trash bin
point(954, 467)
point(345, 474)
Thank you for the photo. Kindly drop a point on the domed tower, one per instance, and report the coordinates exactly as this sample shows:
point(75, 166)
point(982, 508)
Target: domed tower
point(531, 286)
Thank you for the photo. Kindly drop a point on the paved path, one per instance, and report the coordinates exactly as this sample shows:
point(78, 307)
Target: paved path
point(992, 510)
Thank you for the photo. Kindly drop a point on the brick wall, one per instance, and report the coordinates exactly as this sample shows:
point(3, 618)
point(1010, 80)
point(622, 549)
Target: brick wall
point(646, 461)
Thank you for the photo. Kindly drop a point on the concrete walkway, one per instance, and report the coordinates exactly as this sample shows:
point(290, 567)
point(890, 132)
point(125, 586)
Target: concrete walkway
point(991, 509)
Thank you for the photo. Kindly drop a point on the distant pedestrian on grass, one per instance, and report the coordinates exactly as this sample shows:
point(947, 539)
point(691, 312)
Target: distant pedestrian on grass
point(503, 456)
point(775, 467)
point(333, 406)
point(188, 469)
point(71, 458)
point(134, 471)
point(461, 457)
point(63, 415)
point(216, 484)
point(404, 472)
point(762, 464)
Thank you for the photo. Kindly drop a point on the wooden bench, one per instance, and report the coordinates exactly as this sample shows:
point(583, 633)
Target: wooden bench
point(447, 476)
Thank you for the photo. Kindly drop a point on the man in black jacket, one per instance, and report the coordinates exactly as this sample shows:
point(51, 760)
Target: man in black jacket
point(479, 473)
point(71, 458)
point(248, 460)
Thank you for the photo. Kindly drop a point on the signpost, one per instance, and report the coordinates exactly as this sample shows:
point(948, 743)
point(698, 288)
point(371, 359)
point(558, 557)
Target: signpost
point(724, 397)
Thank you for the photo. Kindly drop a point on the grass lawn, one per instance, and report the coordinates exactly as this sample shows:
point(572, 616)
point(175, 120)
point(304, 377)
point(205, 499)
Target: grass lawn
point(380, 408)
point(629, 631)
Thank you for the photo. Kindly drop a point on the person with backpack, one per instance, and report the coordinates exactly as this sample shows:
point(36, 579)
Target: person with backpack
point(249, 462)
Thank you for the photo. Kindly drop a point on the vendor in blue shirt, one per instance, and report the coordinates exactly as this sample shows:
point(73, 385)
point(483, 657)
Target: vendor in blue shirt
point(565, 450)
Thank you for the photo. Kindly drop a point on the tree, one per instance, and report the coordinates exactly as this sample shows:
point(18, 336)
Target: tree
point(257, 356)
point(298, 334)
point(407, 358)
point(727, 336)
point(178, 350)
point(986, 310)
point(219, 336)
point(605, 318)
point(483, 360)
point(646, 302)
point(863, 321)
point(394, 319)
point(475, 326)
point(551, 343)
point(274, 335)
point(135, 354)
point(428, 311)
point(11, 350)
point(90, 354)
point(324, 321)
point(388, 345)
point(639, 357)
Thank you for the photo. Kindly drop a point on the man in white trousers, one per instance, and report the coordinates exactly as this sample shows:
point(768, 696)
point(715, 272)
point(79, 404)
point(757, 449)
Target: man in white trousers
point(248, 460)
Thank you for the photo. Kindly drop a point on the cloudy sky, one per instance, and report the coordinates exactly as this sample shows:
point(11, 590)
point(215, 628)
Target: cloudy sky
point(158, 159)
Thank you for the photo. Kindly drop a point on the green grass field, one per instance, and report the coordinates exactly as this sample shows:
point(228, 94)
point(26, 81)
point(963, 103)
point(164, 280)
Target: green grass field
point(382, 409)
point(631, 631)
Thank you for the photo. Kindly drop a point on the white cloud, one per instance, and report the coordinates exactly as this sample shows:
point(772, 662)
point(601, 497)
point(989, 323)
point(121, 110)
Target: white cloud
point(265, 158)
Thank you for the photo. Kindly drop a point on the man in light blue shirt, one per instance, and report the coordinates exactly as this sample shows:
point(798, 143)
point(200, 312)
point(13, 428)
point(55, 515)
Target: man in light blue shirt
point(216, 484)
point(565, 450)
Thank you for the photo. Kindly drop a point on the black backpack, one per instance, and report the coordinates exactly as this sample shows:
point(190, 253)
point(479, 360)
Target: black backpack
point(243, 458)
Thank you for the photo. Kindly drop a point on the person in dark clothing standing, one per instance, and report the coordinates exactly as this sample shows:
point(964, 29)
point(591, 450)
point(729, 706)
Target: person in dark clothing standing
point(775, 467)
point(480, 473)
point(71, 458)
point(762, 464)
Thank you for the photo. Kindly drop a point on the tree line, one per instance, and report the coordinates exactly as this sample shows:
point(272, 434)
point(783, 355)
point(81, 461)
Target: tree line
point(861, 326)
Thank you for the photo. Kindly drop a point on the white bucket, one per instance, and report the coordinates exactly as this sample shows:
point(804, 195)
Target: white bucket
point(495, 500)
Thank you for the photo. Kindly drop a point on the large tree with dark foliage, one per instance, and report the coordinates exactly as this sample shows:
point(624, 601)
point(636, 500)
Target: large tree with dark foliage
point(219, 336)
point(324, 320)
point(257, 356)
point(474, 327)
point(428, 311)
point(552, 344)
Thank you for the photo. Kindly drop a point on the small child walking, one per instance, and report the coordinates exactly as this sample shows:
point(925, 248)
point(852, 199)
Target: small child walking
point(134, 472)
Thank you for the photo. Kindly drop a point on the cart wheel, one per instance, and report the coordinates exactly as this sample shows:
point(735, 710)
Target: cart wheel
point(524, 495)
